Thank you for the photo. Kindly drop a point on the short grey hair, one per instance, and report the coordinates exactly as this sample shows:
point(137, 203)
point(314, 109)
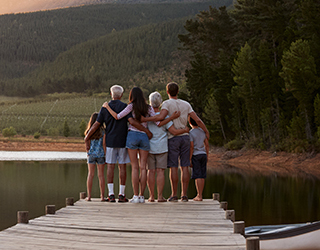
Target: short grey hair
point(155, 99)
point(116, 91)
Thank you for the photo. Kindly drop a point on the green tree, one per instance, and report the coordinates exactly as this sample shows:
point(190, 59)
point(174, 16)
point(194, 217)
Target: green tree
point(66, 129)
point(9, 132)
point(247, 79)
point(300, 76)
point(82, 128)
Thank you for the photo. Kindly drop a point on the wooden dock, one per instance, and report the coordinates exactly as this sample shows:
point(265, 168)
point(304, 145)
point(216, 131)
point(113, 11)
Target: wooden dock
point(103, 225)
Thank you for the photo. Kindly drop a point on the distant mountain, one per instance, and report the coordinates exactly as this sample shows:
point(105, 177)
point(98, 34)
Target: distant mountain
point(88, 48)
point(22, 6)
point(30, 39)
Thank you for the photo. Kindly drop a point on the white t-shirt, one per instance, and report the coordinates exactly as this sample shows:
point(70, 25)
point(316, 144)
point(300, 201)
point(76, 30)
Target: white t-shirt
point(184, 107)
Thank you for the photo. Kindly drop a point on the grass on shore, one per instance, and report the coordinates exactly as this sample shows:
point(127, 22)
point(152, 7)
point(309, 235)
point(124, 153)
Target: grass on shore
point(30, 138)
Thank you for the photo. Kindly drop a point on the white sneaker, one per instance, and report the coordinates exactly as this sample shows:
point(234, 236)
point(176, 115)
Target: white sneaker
point(135, 199)
point(141, 199)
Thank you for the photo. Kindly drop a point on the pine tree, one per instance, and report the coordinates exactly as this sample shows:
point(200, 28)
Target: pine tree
point(300, 76)
point(66, 129)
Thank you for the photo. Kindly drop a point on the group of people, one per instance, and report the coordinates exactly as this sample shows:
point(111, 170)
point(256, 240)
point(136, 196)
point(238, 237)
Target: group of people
point(152, 140)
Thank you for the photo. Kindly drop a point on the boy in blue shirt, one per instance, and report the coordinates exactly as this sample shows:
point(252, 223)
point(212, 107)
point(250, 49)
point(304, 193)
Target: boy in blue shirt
point(199, 151)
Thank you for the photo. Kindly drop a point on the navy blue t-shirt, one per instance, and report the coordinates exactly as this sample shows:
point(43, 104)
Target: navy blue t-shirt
point(116, 130)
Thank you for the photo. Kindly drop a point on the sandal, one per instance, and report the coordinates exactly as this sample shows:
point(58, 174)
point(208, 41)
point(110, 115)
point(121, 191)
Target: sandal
point(173, 198)
point(162, 200)
point(184, 198)
point(150, 200)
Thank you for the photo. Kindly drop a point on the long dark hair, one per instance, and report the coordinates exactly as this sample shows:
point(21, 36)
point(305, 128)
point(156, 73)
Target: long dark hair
point(140, 106)
point(98, 133)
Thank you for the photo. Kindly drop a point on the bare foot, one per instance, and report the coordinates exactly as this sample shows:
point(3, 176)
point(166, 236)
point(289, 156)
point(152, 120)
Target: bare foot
point(88, 199)
point(151, 199)
point(162, 199)
point(197, 198)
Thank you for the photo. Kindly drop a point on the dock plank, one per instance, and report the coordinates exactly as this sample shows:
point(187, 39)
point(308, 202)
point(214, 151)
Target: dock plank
point(96, 225)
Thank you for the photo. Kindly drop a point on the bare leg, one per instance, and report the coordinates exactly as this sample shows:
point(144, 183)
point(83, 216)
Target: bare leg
point(110, 173)
point(199, 186)
point(102, 182)
point(151, 182)
point(174, 179)
point(160, 182)
point(143, 155)
point(91, 168)
point(122, 173)
point(185, 176)
point(135, 170)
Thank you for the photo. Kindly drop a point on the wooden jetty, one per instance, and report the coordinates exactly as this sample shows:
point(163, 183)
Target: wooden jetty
point(103, 225)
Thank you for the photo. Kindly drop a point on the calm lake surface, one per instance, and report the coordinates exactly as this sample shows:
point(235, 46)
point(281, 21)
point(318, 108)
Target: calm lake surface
point(256, 199)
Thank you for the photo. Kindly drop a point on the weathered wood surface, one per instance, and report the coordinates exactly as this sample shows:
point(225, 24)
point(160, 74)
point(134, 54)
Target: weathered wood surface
point(102, 225)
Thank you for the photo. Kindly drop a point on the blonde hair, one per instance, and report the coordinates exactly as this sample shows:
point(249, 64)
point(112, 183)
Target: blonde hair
point(116, 91)
point(155, 99)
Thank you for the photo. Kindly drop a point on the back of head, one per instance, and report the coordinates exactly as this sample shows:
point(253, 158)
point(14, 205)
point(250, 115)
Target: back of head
point(140, 107)
point(116, 91)
point(192, 122)
point(155, 99)
point(97, 134)
point(172, 88)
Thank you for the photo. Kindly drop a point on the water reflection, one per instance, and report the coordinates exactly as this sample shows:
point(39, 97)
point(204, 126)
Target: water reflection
point(256, 198)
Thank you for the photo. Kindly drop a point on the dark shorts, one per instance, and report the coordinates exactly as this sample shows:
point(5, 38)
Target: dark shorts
point(179, 147)
point(199, 163)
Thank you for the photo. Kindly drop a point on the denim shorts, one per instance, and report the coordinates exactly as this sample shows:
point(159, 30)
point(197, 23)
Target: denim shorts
point(93, 159)
point(137, 140)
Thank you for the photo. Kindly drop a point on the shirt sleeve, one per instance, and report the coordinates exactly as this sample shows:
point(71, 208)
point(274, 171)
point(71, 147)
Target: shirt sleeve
point(125, 112)
point(190, 109)
point(191, 135)
point(169, 124)
point(101, 115)
point(165, 105)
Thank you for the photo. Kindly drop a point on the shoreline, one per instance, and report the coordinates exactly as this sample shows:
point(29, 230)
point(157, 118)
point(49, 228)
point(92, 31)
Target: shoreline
point(264, 162)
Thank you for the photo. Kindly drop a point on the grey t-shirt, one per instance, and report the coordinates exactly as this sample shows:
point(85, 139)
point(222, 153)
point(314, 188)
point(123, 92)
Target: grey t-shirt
point(197, 135)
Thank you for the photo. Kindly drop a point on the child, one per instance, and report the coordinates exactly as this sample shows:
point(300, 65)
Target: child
point(199, 150)
point(96, 155)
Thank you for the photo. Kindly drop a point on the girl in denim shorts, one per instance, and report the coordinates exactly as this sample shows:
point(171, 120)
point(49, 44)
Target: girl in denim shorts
point(96, 155)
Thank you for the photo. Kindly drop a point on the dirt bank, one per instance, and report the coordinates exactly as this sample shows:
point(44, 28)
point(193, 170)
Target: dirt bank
point(250, 160)
point(28, 143)
point(265, 162)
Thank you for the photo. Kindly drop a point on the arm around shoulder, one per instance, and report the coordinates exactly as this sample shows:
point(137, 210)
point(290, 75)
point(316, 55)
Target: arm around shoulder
point(200, 123)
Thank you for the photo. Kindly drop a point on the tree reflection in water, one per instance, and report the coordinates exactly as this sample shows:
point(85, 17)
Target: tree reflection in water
point(256, 198)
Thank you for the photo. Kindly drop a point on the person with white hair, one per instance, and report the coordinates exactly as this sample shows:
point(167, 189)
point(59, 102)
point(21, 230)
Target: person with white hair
point(157, 158)
point(178, 146)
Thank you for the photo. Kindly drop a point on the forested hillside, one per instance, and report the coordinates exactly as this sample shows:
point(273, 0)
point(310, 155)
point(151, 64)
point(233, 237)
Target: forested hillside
point(255, 75)
point(30, 39)
point(130, 57)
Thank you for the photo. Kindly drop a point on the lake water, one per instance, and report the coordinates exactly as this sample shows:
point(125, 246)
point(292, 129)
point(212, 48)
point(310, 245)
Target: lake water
point(257, 199)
